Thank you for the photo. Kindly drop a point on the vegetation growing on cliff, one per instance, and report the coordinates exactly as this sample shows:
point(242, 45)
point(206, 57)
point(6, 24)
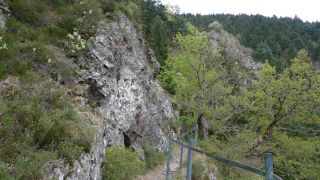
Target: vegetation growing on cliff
point(38, 122)
point(278, 111)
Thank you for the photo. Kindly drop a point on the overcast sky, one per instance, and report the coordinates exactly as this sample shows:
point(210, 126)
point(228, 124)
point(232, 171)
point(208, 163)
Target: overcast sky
point(307, 10)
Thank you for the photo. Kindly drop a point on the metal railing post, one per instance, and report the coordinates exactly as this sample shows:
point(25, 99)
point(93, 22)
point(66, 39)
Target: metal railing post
point(268, 165)
point(189, 168)
point(181, 147)
point(196, 134)
point(169, 156)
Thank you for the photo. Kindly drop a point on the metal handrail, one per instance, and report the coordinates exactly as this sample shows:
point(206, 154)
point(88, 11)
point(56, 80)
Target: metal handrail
point(228, 161)
point(190, 131)
point(172, 174)
point(268, 173)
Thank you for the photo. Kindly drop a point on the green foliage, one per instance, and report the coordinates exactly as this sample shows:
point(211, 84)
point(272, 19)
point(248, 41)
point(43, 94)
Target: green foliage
point(35, 51)
point(31, 12)
point(160, 39)
point(131, 10)
point(36, 25)
point(109, 6)
point(272, 38)
point(277, 103)
point(296, 157)
point(175, 123)
point(158, 24)
point(201, 168)
point(121, 163)
point(256, 117)
point(76, 44)
point(69, 151)
point(193, 72)
point(3, 173)
point(152, 157)
point(294, 93)
point(38, 125)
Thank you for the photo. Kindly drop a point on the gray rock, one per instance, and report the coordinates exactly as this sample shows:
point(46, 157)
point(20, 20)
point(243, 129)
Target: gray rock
point(121, 84)
point(4, 12)
point(237, 55)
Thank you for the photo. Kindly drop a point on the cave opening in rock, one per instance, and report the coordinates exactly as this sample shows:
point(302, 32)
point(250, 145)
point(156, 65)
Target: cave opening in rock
point(127, 140)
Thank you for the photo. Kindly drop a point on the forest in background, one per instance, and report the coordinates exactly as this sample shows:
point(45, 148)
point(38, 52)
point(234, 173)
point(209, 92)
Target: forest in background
point(272, 38)
point(280, 112)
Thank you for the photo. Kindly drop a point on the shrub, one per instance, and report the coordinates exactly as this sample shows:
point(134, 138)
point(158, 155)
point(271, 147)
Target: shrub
point(32, 166)
point(131, 10)
point(121, 164)
point(68, 22)
point(3, 45)
point(34, 51)
point(76, 44)
point(53, 34)
point(3, 173)
point(37, 125)
point(69, 151)
point(27, 11)
point(201, 171)
point(153, 158)
point(109, 6)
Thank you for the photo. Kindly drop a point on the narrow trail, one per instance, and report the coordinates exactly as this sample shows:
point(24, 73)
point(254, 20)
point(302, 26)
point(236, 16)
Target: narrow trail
point(159, 173)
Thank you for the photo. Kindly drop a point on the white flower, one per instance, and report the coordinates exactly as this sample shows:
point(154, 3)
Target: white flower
point(34, 49)
point(0, 38)
point(84, 12)
point(90, 11)
point(49, 60)
point(73, 51)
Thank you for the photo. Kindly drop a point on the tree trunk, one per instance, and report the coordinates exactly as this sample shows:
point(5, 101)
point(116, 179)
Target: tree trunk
point(267, 135)
point(202, 123)
point(203, 127)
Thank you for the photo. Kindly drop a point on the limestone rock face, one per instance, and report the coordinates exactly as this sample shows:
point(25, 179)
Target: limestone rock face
point(234, 49)
point(120, 82)
point(4, 12)
point(238, 56)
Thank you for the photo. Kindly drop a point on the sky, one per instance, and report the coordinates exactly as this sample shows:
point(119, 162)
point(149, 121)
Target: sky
point(307, 10)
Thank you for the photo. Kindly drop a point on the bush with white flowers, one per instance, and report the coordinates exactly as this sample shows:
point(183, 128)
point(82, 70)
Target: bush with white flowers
point(3, 45)
point(76, 43)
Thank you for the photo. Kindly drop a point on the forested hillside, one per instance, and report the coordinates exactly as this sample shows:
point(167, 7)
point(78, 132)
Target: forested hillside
point(272, 38)
point(82, 89)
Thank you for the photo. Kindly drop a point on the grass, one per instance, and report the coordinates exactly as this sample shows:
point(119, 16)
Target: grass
point(38, 125)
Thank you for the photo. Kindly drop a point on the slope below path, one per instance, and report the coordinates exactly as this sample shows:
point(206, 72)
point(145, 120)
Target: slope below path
point(159, 173)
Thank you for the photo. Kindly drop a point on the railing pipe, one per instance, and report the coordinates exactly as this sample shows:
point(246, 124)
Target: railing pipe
point(196, 135)
point(169, 156)
point(181, 148)
point(268, 166)
point(189, 167)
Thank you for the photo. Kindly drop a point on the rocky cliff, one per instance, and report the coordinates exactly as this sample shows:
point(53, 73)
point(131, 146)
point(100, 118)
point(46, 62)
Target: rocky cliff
point(118, 78)
point(236, 55)
point(4, 12)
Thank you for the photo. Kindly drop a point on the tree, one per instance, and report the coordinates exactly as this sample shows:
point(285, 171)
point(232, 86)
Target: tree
point(192, 66)
point(160, 39)
point(291, 95)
